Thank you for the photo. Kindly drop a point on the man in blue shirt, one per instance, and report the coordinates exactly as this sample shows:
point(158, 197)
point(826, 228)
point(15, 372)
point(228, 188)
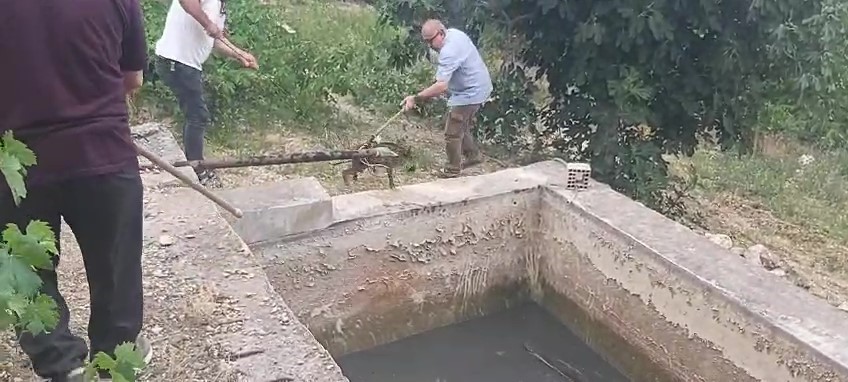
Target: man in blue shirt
point(463, 75)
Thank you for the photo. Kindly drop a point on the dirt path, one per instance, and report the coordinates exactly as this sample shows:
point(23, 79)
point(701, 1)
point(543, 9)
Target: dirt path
point(177, 318)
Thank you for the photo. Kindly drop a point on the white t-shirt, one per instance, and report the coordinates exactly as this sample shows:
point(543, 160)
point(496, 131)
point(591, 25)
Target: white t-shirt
point(184, 40)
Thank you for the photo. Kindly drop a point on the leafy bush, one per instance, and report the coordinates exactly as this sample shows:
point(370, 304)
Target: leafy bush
point(616, 69)
point(812, 103)
point(309, 52)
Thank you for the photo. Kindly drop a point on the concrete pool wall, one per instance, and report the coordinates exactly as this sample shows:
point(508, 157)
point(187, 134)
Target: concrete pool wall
point(660, 301)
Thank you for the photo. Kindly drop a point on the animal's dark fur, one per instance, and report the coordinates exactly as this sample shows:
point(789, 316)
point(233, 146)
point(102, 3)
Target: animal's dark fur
point(359, 165)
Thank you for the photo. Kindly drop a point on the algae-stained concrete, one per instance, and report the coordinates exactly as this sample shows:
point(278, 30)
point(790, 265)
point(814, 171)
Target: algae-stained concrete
point(440, 257)
point(692, 307)
point(663, 302)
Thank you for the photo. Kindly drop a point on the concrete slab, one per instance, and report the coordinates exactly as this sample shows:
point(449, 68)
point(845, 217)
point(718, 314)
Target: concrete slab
point(662, 301)
point(273, 211)
point(243, 325)
point(261, 338)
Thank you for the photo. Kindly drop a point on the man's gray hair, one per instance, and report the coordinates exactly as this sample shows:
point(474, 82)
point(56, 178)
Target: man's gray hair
point(434, 24)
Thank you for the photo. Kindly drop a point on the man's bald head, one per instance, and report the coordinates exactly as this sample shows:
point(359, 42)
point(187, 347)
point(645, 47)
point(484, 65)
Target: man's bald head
point(433, 33)
point(431, 27)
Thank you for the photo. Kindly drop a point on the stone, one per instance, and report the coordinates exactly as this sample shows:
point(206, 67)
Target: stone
point(760, 254)
point(738, 251)
point(275, 210)
point(843, 306)
point(778, 272)
point(166, 240)
point(722, 240)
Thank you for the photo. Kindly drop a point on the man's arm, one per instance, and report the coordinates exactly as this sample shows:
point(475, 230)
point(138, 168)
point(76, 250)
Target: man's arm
point(449, 61)
point(133, 48)
point(133, 81)
point(436, 89)
point(195, 9)
point(224, 47)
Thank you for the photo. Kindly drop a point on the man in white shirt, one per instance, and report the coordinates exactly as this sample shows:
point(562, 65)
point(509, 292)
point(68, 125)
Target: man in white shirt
point(193, 29)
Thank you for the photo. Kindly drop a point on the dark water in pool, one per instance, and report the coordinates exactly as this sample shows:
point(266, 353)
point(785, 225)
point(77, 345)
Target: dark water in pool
point(524, 344)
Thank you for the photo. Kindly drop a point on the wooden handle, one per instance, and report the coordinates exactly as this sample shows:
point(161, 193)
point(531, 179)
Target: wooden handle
point(185, 179)
point(385, 125)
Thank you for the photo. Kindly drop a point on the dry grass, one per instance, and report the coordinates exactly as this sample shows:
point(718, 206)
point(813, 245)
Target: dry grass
point(781, 198)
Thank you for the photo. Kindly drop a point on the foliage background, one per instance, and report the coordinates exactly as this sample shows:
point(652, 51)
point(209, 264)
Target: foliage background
point(626, 85)
point(305, 65)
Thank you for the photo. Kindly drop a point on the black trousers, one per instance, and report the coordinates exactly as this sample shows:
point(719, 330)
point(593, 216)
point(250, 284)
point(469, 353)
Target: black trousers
point(105, 214)
point(187, 85)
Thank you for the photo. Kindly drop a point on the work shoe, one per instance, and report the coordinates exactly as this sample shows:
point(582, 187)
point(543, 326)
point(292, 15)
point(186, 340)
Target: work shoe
point(445, 173)
point(209, 178)
point(471, 162)
point(76, 375)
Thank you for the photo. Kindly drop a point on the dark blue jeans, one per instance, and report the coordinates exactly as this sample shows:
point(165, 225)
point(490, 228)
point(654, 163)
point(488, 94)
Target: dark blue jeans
point(187, 85)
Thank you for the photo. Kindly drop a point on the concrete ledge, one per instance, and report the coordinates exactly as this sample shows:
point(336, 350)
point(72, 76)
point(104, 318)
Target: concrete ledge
point(769, 328)
point(275, 210)
point(444, 192)
point(265, 342)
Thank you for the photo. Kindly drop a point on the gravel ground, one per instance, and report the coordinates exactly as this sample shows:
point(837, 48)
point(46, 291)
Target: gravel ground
point(179, 314)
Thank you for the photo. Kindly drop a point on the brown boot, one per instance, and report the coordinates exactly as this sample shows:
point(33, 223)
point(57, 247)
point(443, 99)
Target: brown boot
point(473, 161)
point(446, 173)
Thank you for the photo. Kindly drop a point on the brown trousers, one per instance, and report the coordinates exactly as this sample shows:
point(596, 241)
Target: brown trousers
point(459, 140)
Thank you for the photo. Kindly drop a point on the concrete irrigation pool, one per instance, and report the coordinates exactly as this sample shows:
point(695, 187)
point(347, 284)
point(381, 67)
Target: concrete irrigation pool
point(510, 270)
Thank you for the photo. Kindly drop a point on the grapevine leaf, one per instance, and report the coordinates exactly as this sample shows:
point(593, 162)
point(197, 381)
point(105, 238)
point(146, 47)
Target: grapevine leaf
point(18, 150)
point(17, 276)
point(103, 361)
point(127, 353)
point(14, 158)
point(11, 169)
point(128, 361)
point(41, 315)
point(16, 304)
point(7, 319)
point(34, 248)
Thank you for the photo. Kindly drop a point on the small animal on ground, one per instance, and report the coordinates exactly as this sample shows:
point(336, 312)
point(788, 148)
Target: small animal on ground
point(358, 165)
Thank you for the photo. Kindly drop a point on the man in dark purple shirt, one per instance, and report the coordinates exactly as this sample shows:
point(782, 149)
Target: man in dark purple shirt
point(65, 72)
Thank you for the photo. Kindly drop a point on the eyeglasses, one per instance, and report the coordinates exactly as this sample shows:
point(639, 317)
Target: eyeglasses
point(429, 41)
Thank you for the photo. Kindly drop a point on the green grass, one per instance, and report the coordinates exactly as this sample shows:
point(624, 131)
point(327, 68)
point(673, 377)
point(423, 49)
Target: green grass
point(813, 196)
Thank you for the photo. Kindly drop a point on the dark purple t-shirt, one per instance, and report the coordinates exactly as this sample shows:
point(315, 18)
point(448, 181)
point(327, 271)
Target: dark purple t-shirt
point(61, 83)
